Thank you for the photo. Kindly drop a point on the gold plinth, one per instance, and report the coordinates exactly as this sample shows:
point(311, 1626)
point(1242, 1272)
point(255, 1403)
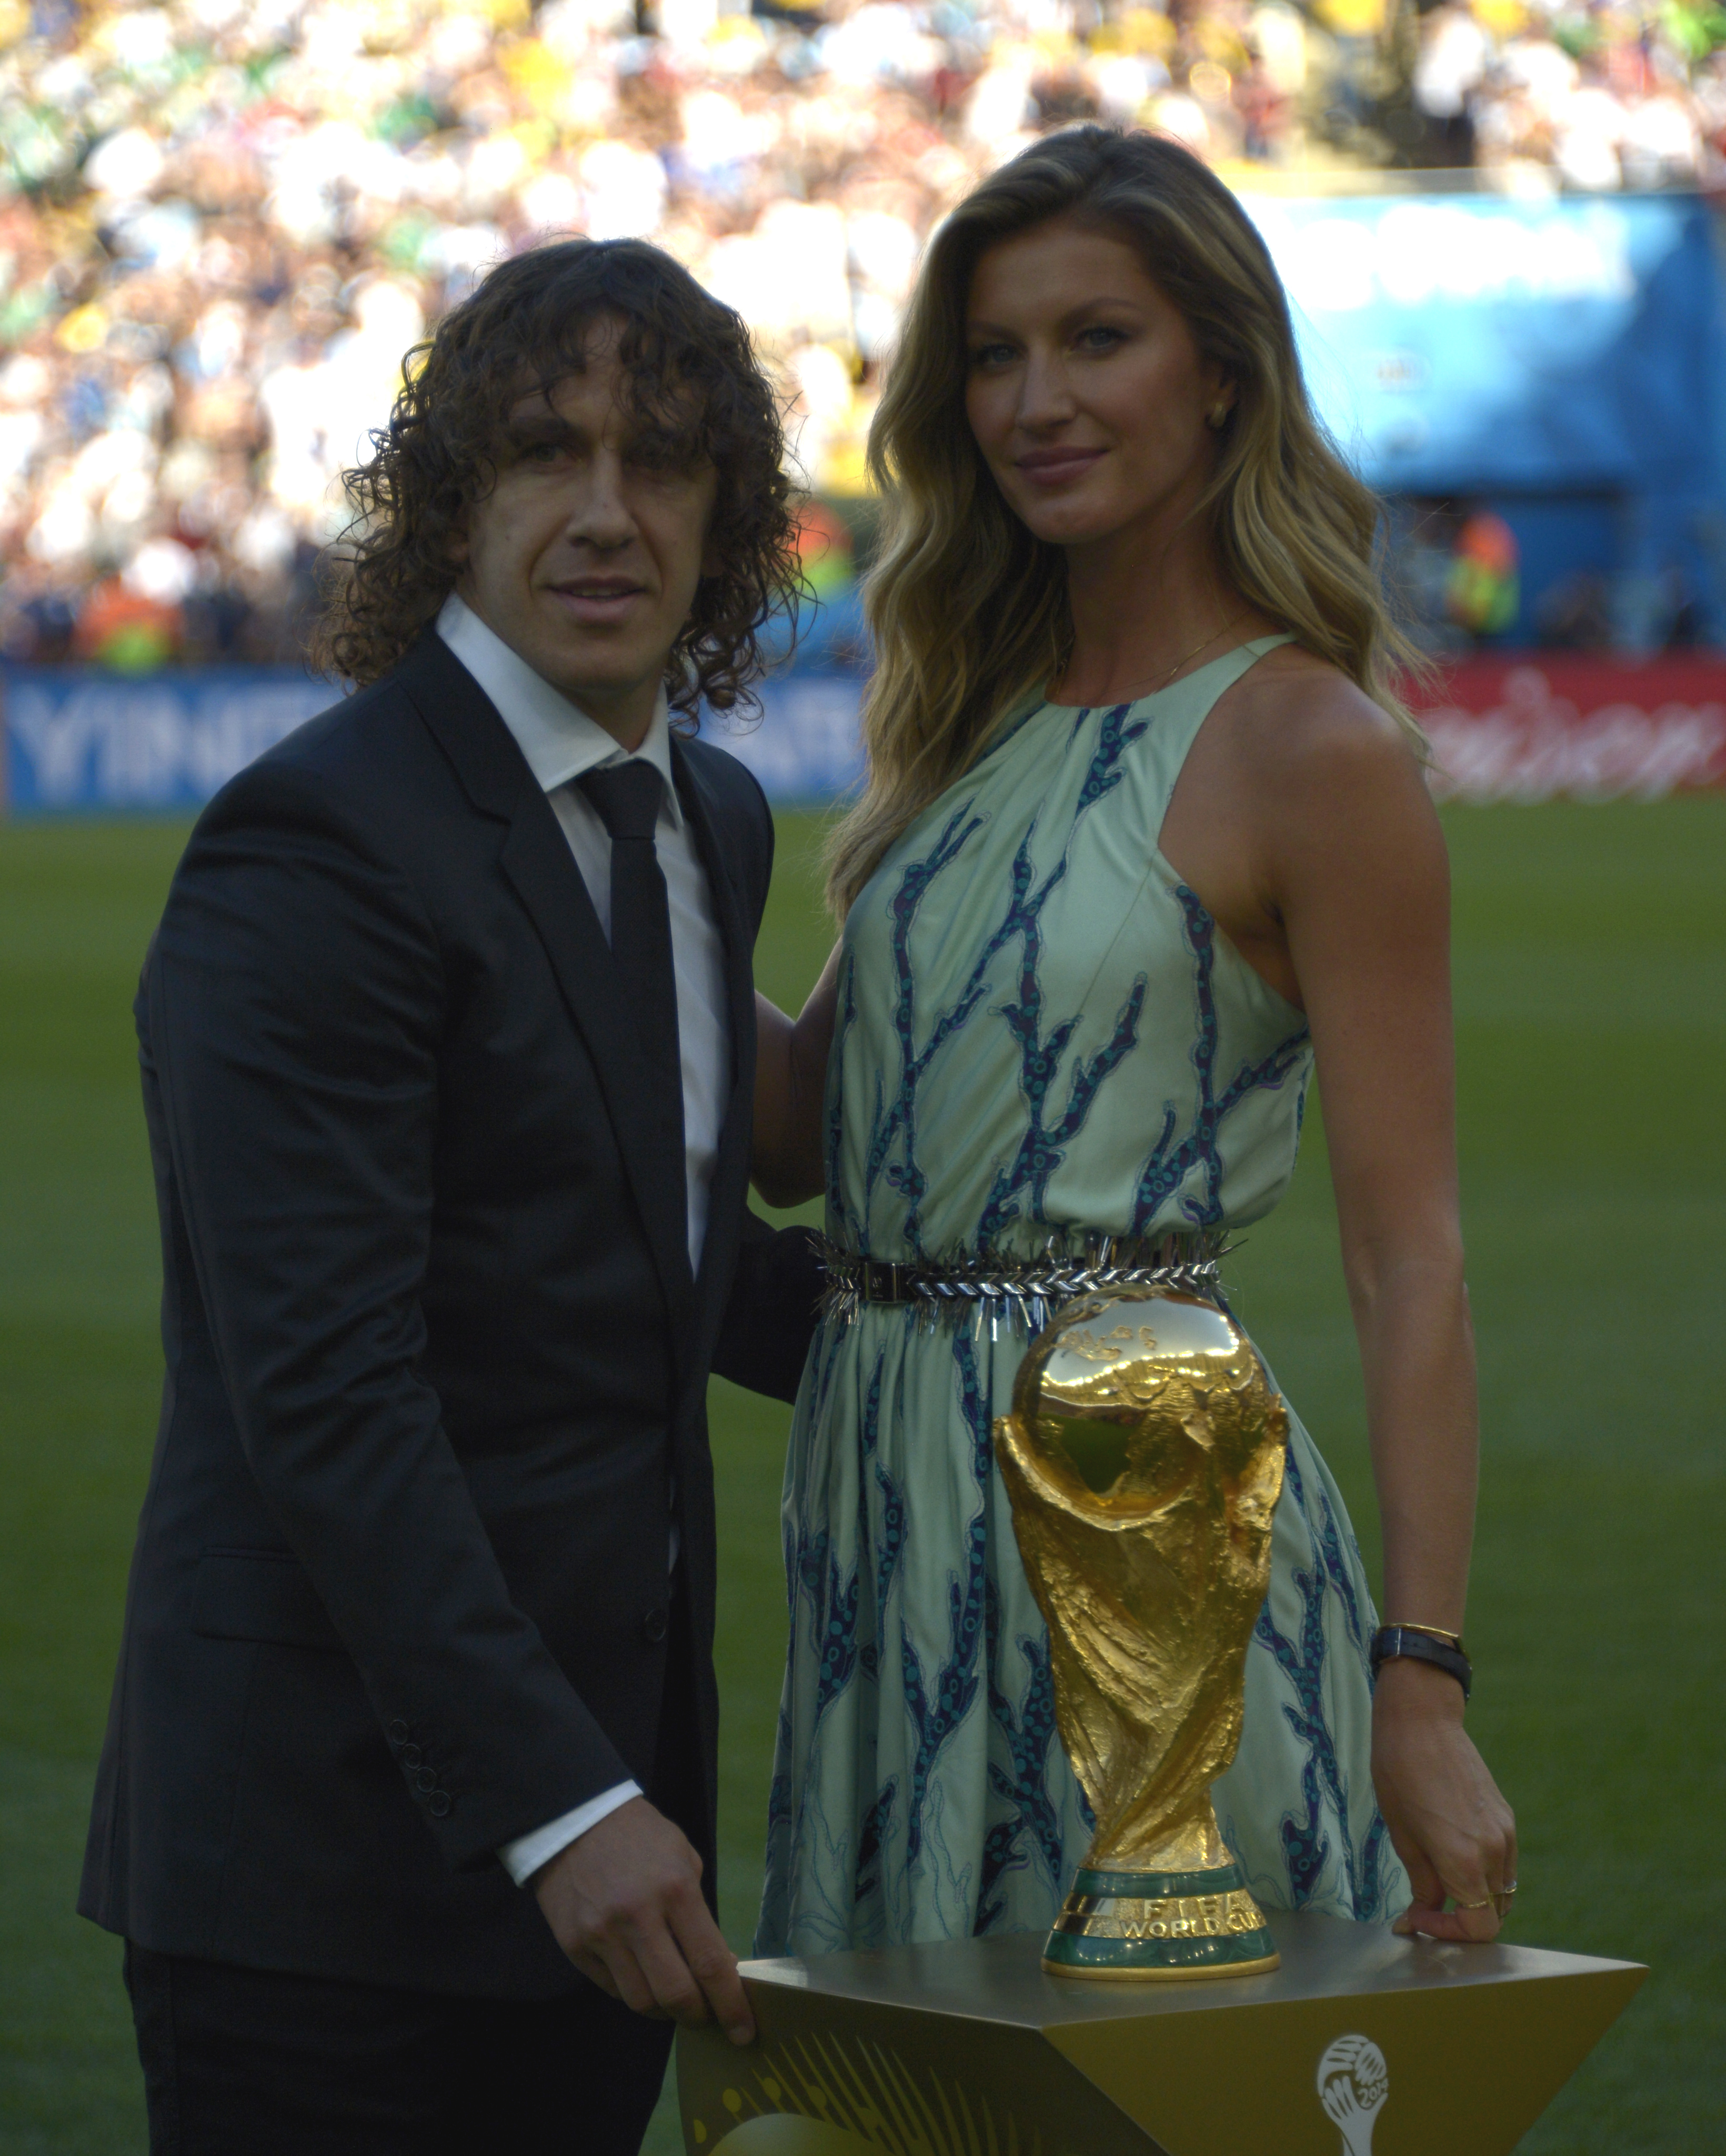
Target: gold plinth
point(968, 2049)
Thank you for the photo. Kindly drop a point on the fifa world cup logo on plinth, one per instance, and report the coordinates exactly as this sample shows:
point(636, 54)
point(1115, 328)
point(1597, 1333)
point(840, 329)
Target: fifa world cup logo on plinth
point(1143, 1459)
point(1353, 2083)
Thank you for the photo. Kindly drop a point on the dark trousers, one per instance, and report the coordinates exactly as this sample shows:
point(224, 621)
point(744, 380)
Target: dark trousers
point(250, 2063)
point(253, 2062)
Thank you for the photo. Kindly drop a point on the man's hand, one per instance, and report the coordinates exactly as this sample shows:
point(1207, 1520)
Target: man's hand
point(624, 1902)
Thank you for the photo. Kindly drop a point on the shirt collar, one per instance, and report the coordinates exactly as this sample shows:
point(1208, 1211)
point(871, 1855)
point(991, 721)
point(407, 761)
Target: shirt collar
point(558, 739)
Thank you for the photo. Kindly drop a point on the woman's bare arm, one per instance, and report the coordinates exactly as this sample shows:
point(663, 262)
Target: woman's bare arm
point(1356, 870)
point(790, 1083)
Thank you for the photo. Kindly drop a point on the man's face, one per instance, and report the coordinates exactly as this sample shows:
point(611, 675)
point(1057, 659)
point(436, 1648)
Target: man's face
point(585, 556)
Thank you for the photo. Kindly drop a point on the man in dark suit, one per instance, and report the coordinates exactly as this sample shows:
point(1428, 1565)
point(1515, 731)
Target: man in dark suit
point(407, 1807)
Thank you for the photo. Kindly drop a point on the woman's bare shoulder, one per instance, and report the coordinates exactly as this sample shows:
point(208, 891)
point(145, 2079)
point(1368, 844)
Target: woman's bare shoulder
point(1302, 721)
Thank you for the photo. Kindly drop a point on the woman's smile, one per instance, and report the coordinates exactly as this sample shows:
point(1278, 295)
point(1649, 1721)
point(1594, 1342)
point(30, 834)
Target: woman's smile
point(1057, 467)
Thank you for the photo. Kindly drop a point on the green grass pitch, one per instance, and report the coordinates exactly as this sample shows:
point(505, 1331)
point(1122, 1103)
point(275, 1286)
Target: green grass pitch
point(1591, 1004)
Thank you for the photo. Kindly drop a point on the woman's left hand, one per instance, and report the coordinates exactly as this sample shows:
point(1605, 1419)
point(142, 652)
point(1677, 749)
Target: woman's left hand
point(1448, 1821)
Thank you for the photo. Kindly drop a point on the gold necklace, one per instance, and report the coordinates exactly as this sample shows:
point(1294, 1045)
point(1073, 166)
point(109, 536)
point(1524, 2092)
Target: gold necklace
point(1189, 659)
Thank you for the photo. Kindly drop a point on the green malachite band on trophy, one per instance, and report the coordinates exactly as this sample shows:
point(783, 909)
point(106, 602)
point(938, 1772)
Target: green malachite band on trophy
point(1072, 1950)
point(1156, 1886)
point(1159, 1924)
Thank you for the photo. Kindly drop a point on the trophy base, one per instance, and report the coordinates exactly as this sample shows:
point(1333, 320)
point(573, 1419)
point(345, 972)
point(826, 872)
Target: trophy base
point(964, 2044)
point(1150, 1927)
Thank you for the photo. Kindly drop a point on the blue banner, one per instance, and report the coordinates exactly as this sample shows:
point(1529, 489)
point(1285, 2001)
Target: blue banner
point(804, 747)
point(1467, 343)
point(80, 742)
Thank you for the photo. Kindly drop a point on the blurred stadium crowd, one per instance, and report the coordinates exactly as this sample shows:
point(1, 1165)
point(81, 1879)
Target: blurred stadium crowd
point(223, 222)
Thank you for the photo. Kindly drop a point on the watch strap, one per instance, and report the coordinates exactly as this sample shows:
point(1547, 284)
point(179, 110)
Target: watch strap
point(1395, 1643)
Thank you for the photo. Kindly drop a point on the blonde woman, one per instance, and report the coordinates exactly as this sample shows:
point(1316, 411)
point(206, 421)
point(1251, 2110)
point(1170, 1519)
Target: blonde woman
point(1144, 837)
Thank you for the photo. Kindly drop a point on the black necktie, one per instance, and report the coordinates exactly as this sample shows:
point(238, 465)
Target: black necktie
point(628, 797)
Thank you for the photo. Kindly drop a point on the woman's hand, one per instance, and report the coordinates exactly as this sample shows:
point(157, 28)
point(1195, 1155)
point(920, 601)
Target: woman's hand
point(1448, 1821)
point(790, 1083)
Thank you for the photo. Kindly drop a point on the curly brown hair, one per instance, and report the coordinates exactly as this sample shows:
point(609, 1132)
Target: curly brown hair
point(695, 388)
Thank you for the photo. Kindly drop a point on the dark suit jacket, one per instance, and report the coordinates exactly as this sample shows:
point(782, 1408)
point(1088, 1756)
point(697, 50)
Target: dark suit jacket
point(434, 1356)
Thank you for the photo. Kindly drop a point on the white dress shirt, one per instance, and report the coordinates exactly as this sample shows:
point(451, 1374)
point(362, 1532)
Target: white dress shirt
point(560, 742)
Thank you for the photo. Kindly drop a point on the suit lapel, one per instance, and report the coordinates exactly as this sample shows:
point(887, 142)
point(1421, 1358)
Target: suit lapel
point(537, 860)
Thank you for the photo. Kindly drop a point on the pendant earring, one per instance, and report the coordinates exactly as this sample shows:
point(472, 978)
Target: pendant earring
point(1217, 414)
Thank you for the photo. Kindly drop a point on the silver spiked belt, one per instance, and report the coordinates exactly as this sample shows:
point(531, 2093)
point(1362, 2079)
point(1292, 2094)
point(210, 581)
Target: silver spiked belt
point(991, 1289)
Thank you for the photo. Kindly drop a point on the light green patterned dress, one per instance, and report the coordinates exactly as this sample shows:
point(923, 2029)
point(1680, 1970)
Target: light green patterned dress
point(1040, 1032)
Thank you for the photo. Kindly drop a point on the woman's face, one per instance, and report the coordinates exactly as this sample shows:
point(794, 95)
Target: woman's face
point(1084, 389)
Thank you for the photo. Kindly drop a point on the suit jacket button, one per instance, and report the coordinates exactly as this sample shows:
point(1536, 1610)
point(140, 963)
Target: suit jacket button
point(411, 1755)
point(425, 1780)
point(398, 1731)
point(656, 1624)
point(439, 1803)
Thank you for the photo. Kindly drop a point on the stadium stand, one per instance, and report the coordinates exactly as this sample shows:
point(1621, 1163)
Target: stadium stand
point(222, 222)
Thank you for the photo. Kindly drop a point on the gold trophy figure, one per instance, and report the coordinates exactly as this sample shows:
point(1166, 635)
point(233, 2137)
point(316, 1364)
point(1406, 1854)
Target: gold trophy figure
point(1143, 1459)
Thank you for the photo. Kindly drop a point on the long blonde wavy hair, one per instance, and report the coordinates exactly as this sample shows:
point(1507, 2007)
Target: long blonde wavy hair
point(967, 610)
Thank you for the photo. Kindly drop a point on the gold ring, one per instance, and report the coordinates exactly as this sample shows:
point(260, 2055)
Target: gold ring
point(1486, 1904)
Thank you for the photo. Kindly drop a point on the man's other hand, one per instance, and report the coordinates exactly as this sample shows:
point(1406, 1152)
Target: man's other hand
point(624, 1902)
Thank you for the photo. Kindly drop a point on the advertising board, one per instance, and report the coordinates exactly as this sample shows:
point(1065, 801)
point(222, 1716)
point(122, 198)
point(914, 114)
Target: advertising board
point(1524, 728)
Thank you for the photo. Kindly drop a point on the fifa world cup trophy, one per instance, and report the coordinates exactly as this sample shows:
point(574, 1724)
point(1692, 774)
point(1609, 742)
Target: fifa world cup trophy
point(1143, 1459)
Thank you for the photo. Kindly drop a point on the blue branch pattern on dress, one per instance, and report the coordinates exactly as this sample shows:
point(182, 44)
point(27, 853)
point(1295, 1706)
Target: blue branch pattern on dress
point(890, 1536)
point(1306, 1847)
point(1028, 995)
point(934, 1715)
point(1170, 1166)
point(1040, 1151)
point(1029, 1733)
point(901, 1121)
point(779, 1807)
